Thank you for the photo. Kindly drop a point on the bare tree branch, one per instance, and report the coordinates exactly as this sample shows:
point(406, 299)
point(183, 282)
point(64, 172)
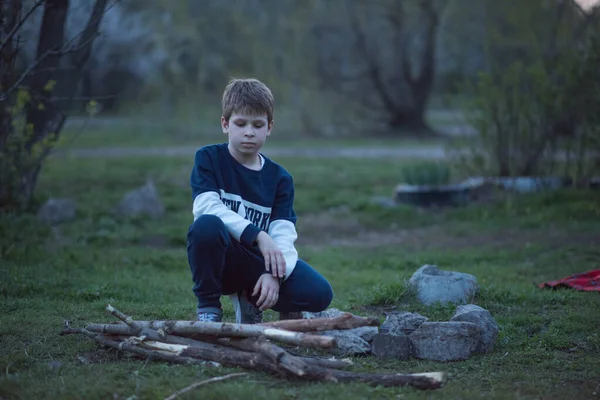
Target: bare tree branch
point(66, 49)
point(19, 24)
point(373, 68)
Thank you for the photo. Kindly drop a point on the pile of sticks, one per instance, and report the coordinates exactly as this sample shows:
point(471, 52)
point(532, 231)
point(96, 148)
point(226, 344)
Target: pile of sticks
point(247, 346)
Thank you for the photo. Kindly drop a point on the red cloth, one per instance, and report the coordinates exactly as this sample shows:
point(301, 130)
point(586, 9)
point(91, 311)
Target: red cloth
point(587, 281)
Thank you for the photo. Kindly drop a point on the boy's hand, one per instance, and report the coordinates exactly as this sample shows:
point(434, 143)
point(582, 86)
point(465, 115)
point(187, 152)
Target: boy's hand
point(268, 287)
point(274, 261)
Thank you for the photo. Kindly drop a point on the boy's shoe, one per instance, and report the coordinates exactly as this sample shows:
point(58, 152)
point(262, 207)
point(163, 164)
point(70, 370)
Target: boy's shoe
point(207, 316)
point(245, 312)
point(290, 315)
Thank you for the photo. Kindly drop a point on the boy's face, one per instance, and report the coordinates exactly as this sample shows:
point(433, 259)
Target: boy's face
point(247, 133)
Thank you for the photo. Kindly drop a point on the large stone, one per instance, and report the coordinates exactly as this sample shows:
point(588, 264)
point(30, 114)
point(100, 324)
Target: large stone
point(391, 346)
point(329, 313)
point(55, 211)
point(141, 201)
point(349, 341)
point(484, 320)
point(401, 322)
point(432, 285)
point(445, 341)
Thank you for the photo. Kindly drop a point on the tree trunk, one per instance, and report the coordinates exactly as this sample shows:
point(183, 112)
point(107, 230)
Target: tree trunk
point(50, 43)
point(410, 119)
point(9, 17)
point(43, 114)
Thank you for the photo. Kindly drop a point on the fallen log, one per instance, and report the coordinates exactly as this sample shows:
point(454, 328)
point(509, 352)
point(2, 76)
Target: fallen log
point(344, 321)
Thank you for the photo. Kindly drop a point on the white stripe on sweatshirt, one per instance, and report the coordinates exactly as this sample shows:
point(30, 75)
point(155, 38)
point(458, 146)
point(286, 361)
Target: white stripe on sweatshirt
point(210, 203)
point(283, 232)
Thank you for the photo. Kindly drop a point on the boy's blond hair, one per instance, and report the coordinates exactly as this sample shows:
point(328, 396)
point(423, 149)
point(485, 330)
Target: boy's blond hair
point(249, 96)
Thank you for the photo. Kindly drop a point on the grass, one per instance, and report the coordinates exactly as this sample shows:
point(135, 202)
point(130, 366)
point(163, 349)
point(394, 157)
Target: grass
point(98, 136)
point(548, 346)
point(196, 130)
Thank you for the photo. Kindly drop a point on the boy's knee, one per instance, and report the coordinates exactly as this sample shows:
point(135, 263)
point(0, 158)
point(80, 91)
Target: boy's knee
point(206, 229)
point(323, 296)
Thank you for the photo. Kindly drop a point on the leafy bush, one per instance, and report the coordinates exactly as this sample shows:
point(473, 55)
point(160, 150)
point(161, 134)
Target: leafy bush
point(538, 117)
point(427, 173)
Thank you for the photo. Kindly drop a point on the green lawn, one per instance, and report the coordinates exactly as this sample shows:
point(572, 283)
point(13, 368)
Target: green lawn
point(155, 136)
point(155, 132)
point(548, 346)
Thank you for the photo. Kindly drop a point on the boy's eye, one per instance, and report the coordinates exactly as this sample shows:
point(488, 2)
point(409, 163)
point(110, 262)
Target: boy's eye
point(240, 123)
point(258, 125)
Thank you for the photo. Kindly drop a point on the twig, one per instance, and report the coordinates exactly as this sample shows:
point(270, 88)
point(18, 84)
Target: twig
point(325, 362)
point(275, 353)
point(211, 380)
point(258, 361)
point(64, 50)
point(221, 329)
point(19, 24)
point(67, 48)
point(345, 321)
point(129, 346)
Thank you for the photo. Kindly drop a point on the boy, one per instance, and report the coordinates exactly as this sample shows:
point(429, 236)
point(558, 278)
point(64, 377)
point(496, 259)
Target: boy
point(241, 242)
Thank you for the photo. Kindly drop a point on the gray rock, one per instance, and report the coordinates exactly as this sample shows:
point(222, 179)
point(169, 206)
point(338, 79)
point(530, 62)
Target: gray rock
point(484, 320)
point(141, 201)
point(391, 346)
point(55, 211)
point(329, 313)
point(366, 333)
point(433, 285)
point(349, 341)
point(401, 323)
point(445, 341)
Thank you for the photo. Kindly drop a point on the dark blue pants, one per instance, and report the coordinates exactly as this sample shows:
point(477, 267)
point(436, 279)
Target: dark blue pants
point(221, 265)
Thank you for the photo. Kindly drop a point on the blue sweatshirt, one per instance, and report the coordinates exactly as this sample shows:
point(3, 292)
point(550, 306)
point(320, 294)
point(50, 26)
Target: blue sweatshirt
point(247, 201)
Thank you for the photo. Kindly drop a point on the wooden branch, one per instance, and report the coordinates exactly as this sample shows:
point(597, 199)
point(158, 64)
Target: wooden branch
point(136, 329)
point(427, 380)
point(325, 362)
point(276, 354)
point(344, 321)
point(316, 373)
point(374, 70)
point(192, 329)
point(220, 329)
point(287, 361)
point(128, 346)
point(184, 354)
point(67, 48)
point(197, 384)
point(257, 361)
point(19, 24)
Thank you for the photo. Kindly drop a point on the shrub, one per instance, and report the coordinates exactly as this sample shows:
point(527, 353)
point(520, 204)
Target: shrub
point(427, 173)
point(538, 117)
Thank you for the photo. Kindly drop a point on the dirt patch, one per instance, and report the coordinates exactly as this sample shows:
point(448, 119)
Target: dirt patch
point(338, 228)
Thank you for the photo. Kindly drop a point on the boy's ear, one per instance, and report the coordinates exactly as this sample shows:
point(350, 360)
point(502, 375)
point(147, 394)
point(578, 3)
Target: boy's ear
point(224, 124)
point(270, 127)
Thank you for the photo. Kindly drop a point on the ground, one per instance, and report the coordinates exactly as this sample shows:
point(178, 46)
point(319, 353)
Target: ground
point(548, 346)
